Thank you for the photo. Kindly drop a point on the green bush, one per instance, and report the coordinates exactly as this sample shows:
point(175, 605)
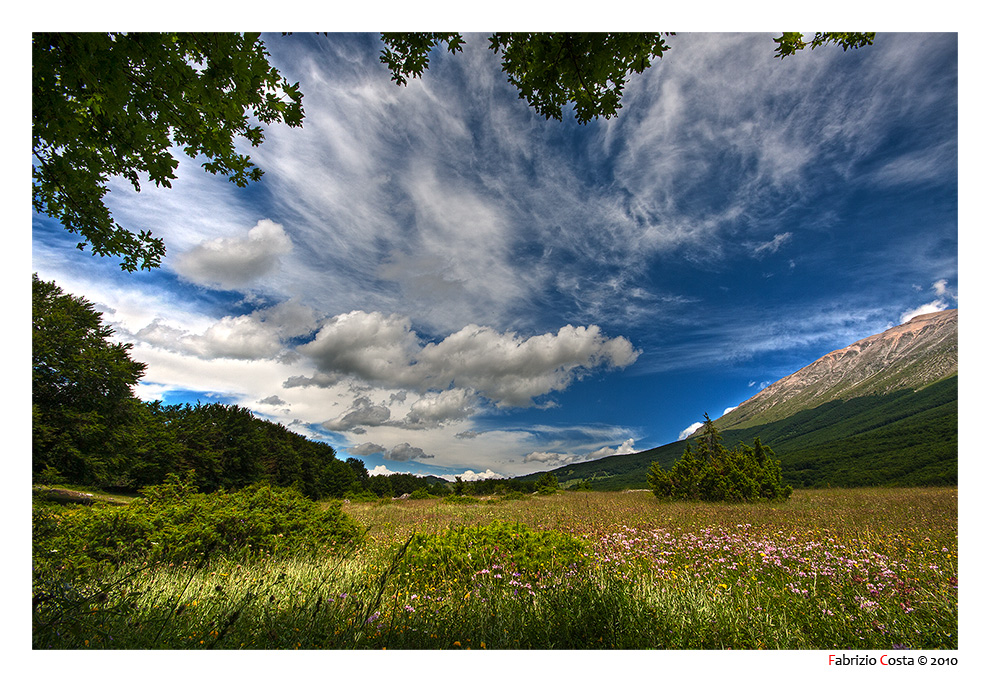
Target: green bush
point(711, 473)
point(421, 494)
point(174, 523)
point(547, 484)
point(458, 553)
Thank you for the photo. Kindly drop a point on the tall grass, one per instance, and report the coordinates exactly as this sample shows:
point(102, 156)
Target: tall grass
point(861, 569)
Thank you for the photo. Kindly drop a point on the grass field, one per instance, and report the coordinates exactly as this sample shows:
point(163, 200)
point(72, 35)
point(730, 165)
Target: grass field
point(829, 569)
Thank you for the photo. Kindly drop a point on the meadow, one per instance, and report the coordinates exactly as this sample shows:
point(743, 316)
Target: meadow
point(828, 569)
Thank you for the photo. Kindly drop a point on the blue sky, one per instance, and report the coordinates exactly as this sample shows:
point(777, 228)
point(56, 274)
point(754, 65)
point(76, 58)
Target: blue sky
point(435, 279)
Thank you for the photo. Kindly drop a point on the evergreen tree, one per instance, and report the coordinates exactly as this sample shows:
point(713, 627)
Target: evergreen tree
point(710, 472)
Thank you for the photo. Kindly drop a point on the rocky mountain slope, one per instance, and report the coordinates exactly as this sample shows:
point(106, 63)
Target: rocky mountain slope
point(910, 356)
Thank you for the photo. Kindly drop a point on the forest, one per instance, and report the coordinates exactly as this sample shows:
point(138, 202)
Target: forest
point(89, 429)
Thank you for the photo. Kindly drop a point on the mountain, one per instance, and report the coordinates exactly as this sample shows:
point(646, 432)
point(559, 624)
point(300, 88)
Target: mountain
point(881, 411)
point(912, 355)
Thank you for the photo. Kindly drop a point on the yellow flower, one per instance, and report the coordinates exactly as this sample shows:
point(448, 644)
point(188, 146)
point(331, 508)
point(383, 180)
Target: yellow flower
point(457, 643)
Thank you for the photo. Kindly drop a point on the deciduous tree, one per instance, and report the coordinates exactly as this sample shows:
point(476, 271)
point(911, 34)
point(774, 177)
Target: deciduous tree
point(586, 70)
point(82, 404)
point(117, 104)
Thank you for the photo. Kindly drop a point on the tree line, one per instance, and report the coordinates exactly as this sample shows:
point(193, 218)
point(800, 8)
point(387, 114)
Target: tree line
point(88, 428)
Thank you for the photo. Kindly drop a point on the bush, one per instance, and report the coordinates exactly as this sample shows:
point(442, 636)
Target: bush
point(174, 523)
point(459, 553)
point(421, 494)
point(712, 473)
point(547, 484)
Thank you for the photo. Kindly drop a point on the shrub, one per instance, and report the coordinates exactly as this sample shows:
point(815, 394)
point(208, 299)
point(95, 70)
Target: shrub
point(459, 499)
point(421, 494)
point(547, 484)
point(714, 474)
point(460, 552)
point(175, 523)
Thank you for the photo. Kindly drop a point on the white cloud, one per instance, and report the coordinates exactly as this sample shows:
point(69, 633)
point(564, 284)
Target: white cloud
point(943, 290)
point(945, 295)
point(773, 245)
point(235, 262)
point(551, 460)
point(559, 459)
point(472, 476)
point(628, 447)
point(260, 335)
point(933, 307)
point(502, 367)
point(381, 470)
point(436, 408)
point(241, 337)
point(689, 430)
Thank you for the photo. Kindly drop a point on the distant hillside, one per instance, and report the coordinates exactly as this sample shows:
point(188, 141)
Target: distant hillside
point(882, 411)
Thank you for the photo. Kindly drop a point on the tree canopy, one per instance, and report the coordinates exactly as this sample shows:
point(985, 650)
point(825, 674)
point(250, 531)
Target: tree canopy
point(550, 70)
point(587, 70)
point(115, 104)
point(81, 382)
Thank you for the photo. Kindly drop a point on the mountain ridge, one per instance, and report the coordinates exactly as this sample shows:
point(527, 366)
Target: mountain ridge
point(881, 411)
point(914, 354)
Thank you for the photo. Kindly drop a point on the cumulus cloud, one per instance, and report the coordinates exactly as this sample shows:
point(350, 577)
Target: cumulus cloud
point(241, 338)
point(260, 335)
point(628, 447)
point(403, 452)
point(472, 476)
point(558, 459)
point(502, 367)
point(434, 409)
point(365, 449)
point(234, 262)
point(689, 430)
point(372, 347)
point(362, 413)
point(272, 400)
point(551, 460)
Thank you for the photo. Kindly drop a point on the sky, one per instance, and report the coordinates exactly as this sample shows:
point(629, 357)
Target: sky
point(435, 279)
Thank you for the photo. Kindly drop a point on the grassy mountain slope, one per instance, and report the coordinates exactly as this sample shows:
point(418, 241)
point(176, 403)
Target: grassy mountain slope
point(882, 411)
point(904, 438)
